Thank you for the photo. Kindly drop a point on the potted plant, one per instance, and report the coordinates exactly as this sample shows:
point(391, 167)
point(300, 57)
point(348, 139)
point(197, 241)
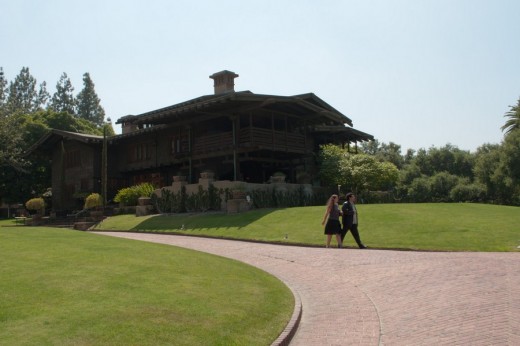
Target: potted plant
point(38, 206)
point(94, 201)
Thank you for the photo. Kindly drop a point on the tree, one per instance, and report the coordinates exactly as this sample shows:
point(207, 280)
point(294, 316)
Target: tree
point(22, 96)
point(11, 143)
point(3, 90)
point(362, 172)
point(88, 103)
point(330, 158)
point(384, 152)
point(357, 172)
point(507, 174)
point(370, 147)
point(63, 98)
point(513, 123)
point(43, 96)
point(441, 185)
point(487, 159)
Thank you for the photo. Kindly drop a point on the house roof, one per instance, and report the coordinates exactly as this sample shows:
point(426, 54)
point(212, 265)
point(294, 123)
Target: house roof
point(47, 141)
point(308, 105)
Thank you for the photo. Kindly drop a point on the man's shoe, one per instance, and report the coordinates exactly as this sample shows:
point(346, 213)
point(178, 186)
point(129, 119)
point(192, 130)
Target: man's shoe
point(363, 247)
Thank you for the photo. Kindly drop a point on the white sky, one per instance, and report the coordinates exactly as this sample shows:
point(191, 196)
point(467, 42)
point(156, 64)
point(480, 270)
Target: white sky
point(418, 73)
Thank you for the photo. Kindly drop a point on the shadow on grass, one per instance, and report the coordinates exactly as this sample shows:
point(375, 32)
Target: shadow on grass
point(169, 222)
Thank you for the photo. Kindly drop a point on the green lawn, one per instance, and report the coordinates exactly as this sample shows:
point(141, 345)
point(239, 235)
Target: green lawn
point(63, 287)
point(439, 226)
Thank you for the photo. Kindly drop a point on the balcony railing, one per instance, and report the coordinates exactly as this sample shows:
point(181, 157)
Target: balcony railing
point(251, 137)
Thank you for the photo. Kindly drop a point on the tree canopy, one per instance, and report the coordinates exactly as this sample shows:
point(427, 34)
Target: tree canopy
point(63, 99)
point(89, 104)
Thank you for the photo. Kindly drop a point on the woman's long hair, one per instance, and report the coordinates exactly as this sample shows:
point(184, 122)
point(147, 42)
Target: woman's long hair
point(331, 202)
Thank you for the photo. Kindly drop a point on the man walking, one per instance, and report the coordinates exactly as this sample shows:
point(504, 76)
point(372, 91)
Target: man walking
point(350, 219)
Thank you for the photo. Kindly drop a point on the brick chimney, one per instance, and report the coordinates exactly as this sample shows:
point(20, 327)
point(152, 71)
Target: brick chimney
point(224, 81)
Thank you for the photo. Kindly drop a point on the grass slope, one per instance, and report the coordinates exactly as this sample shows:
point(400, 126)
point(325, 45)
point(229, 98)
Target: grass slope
point(439, 226)
point(60, 287)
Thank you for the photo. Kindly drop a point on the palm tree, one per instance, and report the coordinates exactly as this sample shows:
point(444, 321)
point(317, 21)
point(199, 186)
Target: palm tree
point(513, 123)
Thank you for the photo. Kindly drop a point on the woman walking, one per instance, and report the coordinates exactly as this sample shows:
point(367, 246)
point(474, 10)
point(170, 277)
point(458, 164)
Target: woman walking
point(331, 216)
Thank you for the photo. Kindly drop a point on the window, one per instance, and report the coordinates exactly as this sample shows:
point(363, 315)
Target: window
point(140, 152)
point(179, 144)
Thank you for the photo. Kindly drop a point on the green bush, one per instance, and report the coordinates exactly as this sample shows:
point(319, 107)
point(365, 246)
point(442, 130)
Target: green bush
point(93, 200)
point(129, 195)
point(468, 193)
point(35, 204)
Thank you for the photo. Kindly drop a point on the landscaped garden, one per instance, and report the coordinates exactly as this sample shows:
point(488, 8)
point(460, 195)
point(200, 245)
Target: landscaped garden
point(59, 286)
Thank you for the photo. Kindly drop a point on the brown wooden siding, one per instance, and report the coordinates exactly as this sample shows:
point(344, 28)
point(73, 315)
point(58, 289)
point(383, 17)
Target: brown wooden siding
point(251, 137)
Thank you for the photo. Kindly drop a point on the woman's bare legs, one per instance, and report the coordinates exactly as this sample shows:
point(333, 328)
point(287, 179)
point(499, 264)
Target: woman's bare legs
point(329, 237)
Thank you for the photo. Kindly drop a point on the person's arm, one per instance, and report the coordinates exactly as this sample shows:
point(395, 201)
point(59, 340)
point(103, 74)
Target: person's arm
point(348, 209)
point(325, 216)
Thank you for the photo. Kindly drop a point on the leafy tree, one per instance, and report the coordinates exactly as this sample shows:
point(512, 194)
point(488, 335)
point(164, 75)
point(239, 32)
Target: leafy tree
point(419, 190)
point(66, 122)
point(487, 159)
point(468, 192)
point(391, 152)
point(384, 152)
point(63, 98)
point(358, 172)
point(330, 158)
point(507, 174)
point(445, 159)
point(370, 147)
point(363, 172)
point(513, 123)
point(409, 156)
point(11, 143)
point(408, 173)
point(441, 185)
point(88, 103)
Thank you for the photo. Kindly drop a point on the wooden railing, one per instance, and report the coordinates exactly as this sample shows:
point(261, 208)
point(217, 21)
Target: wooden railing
point(274, 140)
point(215, 142)
point(251, 137)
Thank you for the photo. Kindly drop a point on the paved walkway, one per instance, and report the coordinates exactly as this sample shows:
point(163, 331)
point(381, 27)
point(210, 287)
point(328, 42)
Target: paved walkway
point(383, 297)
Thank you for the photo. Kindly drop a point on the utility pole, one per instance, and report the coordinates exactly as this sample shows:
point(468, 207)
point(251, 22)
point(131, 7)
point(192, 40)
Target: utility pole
point(104, 164)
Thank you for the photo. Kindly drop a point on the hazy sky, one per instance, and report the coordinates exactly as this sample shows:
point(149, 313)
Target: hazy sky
point(418, 73)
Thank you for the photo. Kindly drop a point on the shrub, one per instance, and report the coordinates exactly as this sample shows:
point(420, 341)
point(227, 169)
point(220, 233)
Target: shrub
point(129, 195)
point(93, 200)
point(37, 204)
point(468, 193)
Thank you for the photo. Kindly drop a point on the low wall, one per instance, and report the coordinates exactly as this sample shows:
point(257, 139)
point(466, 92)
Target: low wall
point(232, 205)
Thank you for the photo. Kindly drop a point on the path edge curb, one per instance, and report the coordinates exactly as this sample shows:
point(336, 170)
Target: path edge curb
point(290, 329)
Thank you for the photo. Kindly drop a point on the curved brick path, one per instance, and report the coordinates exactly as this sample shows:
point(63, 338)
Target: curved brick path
point(382, 297)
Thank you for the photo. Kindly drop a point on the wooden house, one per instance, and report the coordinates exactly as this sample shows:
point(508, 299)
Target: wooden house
point(236, 135)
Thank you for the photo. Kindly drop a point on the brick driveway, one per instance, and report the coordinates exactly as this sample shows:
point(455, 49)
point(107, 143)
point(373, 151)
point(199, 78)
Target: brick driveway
point(383, 297)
